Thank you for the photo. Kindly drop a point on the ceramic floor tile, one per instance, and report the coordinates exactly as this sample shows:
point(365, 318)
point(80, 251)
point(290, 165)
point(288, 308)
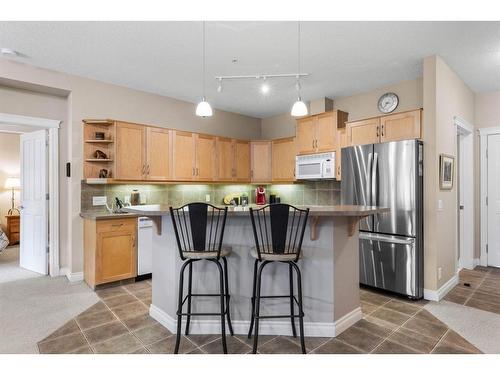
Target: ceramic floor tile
point(201, 340)
point(262, 339)
point(120, 300)
point(360, 338)
point(66, 329)
point(63, 344)
point(123, 344)
point(151, 334)
point(139, 321)
point(130, 310)
point(402, 307)
point(413, 340)
point(482, 305)
point(389, 347)
point(167, 346)
point(279, 345)
point(105, 332)
point(444, 348)
point(373, 298)
point(376, 329)
point(82, 350)
point(234, 346)
point(111, 292)
point(368, 308)
point(426, 328)
point(311, 342)
point(390, 316)
point(92, 320)
point(454, 339)
point(134, 287)
point(335, 346)
point(98, 307)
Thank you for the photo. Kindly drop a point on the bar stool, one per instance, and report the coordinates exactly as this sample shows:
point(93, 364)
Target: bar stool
point(278, 231)
point(199, 230)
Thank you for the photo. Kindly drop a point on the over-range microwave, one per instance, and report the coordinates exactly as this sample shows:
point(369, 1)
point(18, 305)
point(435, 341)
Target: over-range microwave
point(315, 166)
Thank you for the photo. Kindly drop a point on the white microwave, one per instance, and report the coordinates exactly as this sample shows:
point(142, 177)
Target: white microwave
point(315, 166)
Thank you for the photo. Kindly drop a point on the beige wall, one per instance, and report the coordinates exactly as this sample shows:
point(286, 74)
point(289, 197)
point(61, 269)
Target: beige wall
point(9, 166)
point(87, 98)
point(445, 96)
point(358, 106)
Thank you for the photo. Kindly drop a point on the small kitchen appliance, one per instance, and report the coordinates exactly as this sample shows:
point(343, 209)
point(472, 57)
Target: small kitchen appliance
point(260, 195)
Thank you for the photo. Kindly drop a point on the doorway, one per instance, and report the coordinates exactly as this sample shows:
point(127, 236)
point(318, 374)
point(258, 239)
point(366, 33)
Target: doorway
point(37, 209)
point(465, 194)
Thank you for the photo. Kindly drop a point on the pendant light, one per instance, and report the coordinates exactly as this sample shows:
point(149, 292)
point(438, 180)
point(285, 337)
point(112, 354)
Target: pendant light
point(299, 107)
point(203, 109)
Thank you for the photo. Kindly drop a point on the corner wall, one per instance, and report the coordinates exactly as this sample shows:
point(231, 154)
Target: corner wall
point(9, 166)
point(445, 96)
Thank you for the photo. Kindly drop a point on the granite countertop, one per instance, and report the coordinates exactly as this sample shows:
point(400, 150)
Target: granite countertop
point(336, 210)
point(103, 215)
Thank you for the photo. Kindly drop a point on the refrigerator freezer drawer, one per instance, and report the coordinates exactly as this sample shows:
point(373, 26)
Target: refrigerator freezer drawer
point(390, 263)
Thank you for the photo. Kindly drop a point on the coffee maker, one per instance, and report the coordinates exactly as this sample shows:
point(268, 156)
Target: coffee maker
point(260, 195)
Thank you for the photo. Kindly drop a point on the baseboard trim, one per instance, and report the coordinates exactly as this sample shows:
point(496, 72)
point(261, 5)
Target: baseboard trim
point(437, 295)
point(281, 327)
point(72, 277)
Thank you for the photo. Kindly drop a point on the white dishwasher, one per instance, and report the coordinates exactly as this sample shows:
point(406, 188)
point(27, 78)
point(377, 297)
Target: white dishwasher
point(144, 246)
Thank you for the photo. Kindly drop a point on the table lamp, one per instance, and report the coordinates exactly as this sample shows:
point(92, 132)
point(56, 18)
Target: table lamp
point(12, 183)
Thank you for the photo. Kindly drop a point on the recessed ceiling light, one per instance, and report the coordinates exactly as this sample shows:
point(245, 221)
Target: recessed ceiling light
point(234, 60)
point(8, 52)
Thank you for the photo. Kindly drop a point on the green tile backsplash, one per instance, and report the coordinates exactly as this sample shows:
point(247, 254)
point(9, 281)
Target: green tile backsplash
point(305, 193)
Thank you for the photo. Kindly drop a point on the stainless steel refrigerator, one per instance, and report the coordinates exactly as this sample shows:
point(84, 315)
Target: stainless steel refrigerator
point(390, 244)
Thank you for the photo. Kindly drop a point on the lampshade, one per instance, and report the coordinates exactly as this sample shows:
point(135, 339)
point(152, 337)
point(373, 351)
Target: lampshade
point(12, 183)
point(203, 109)
point(299, 108)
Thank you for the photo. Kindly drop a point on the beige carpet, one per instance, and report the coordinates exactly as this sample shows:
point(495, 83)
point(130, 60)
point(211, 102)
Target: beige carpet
point(30, 309)
point(9, 266)
point(480, 328)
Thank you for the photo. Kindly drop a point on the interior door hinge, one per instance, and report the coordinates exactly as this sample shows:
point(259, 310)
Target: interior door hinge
point(486, 248)
point(48, 249)
point(486, 200)
point(486, 153)
point(47, 196)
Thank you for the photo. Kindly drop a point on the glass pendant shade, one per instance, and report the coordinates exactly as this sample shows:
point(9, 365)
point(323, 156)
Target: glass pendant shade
point(203, 109)
point(299, 108)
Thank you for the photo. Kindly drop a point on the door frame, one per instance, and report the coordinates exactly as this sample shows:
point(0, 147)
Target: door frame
point(465, 248)
point(18, 121)
point(483, 145)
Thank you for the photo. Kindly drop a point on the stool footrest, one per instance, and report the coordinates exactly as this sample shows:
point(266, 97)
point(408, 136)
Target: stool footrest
point(279, 316)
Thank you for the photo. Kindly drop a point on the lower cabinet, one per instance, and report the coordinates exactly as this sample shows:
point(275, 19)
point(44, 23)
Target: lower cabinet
point(110, 250)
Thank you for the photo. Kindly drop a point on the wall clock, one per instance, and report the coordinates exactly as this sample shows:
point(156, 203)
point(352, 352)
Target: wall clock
point(388, 102)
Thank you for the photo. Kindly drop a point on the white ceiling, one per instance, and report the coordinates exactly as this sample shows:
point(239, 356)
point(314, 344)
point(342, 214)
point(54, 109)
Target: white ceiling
point(342, 58)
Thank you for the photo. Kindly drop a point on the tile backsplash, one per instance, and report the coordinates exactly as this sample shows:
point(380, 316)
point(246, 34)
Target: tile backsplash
point(305, 193)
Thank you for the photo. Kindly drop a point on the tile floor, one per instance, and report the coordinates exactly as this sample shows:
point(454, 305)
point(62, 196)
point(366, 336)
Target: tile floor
point(120, 323)
point(478, 288)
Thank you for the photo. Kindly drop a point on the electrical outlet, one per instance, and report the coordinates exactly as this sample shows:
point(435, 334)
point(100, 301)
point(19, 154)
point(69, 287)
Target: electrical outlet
point(99, 201)
point(207, 197)
point(440, 273)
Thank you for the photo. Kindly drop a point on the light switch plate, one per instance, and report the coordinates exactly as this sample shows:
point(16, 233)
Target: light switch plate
point(99, 201)
point(207, 197)
point(440, 206)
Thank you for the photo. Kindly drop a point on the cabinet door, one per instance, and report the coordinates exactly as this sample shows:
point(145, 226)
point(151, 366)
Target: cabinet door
point(363, 132)
point(225, 159)
point(183, 156)
point(130, 151)
point(261, 161)
point(242, 160)
point(326, 138)
point(205, 157)
point(341, 143)
point(283, 155)
point(157, 154)
point(116, 256)
point(400, 126)
point(306, 135)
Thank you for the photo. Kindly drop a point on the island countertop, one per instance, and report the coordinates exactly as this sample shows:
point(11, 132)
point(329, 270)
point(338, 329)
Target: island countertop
point(335, 210)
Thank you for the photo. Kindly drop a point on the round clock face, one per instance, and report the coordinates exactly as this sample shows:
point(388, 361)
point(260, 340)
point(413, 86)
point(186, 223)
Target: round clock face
point(388, 102)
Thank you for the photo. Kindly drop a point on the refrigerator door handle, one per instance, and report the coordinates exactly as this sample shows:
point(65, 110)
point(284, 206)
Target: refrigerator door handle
point(381, 238)
point(368, 182)
point(374, 188)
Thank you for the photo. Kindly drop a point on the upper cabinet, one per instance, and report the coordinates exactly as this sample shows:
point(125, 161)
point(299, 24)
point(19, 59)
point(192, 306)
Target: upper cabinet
point(233, 159)
point(283, 159)
point(318, 133)
point(395, 127)
point(130, 151)
point(193, 156)
point(205, 158)
point(242, 160)
point(260, 154)
point(158, 154)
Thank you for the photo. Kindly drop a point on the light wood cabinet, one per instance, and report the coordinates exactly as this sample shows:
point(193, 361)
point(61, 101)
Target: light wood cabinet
point(157, 154)
point(396, 127)
point(205, 157)
point(400, 126)
point(363, 132)
point(130, 151)
point(242, 160)
point(283, 159)
point(183, 156)
point(110, 250)
point(341, 143)
point(318, 133)
point(260, 154)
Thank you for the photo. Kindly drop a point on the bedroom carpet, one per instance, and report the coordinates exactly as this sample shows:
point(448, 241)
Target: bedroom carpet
point(9, 266)
point(30, 309)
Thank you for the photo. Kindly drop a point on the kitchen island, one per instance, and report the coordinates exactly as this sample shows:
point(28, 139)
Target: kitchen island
point(329, 267)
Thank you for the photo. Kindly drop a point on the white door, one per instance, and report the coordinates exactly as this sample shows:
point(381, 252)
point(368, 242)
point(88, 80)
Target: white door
point(494, 200)
point(34, 218)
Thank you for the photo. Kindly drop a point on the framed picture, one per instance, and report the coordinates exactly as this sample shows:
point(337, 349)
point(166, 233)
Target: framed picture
point(446, 171)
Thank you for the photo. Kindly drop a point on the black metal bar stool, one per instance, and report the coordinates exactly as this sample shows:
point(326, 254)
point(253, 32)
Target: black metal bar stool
point(199, 230)
point(278, 231)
